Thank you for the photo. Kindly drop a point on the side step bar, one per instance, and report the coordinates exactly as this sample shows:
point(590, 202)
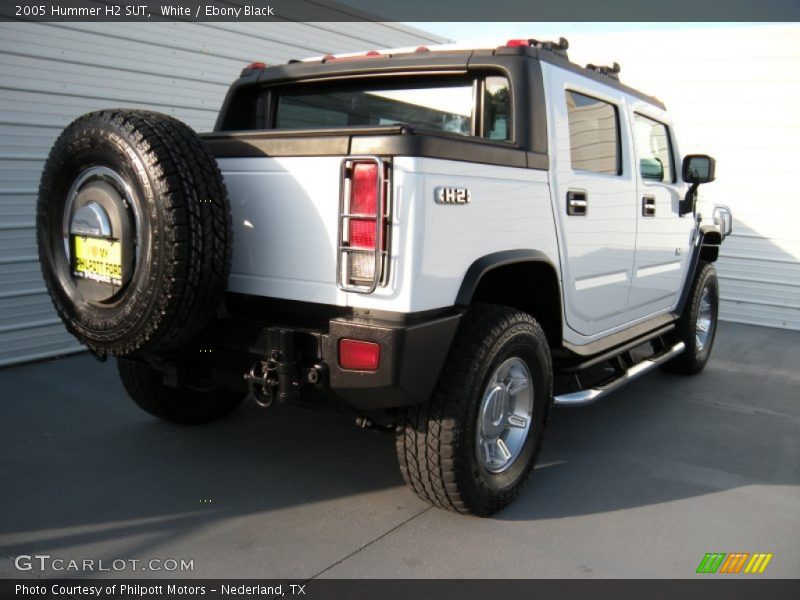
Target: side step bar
point(590, 395)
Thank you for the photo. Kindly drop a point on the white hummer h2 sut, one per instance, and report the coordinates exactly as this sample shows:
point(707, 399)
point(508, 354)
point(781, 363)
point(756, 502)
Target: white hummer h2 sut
point(441, 242)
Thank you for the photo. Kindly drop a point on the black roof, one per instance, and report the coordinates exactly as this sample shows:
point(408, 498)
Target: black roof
point(424, 60)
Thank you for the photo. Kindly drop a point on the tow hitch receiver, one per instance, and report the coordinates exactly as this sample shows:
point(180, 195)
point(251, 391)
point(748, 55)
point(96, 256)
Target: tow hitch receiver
point(280, 374)
point(276, 377)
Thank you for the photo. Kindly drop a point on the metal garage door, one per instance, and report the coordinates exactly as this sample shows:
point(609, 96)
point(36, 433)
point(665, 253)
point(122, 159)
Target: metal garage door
point(52, 72)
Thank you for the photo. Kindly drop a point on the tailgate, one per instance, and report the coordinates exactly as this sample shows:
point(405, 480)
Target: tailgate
point(285, 222)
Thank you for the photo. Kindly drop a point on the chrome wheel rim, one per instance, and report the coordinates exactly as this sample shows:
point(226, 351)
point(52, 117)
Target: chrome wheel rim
point(704, 327)
point(505, 415)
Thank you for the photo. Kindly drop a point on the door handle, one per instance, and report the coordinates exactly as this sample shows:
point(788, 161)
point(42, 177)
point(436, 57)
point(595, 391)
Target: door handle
point(577, 203)
point(648, 206)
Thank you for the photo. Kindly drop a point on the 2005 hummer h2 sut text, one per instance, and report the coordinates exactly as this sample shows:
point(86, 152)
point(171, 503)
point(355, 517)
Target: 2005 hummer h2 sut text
point(442, 242)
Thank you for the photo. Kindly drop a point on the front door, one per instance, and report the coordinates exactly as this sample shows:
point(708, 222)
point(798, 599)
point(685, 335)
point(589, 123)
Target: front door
point(664, 238)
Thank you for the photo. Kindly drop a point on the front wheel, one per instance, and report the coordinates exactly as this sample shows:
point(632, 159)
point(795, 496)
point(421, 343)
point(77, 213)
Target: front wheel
point(697, 326)
point(471, 447)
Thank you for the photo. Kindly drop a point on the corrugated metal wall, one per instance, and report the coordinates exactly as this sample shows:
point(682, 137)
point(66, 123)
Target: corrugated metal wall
point(51, 73)
point(735, 94)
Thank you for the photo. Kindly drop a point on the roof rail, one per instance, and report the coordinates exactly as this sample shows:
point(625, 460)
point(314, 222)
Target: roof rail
point(559, 47)
point(612, 71)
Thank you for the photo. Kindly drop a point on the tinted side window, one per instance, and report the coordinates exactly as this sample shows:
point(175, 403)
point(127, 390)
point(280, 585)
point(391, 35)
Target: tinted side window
point(593, 134)
point(496, 109)
point(653, 149)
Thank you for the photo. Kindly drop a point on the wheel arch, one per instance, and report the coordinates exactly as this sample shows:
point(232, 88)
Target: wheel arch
point(706, 250)
point(536, 289)
point(710, 241)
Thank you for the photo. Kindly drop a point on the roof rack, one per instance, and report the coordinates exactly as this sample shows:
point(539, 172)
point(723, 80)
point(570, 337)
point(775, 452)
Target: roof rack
point(559, 47)
point(612, 71)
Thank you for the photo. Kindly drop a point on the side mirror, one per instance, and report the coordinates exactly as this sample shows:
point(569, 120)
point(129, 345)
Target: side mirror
point(651, 168)
point(698, 168)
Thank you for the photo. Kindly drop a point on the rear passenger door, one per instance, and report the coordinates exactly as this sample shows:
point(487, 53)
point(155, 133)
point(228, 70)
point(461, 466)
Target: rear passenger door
point(594, 195)
point(663, 237)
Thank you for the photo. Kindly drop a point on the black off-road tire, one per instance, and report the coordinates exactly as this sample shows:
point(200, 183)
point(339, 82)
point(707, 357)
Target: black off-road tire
point(694, 358)
point(436, 441)
point(184, 405)
point(184, 231)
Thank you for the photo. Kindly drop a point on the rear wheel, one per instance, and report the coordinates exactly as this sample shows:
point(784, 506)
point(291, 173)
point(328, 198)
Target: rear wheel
point(697, 326)
point(471, 447)
point(186, 405)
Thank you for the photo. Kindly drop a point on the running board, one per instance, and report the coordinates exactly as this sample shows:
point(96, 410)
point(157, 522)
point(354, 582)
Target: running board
point(590, 395)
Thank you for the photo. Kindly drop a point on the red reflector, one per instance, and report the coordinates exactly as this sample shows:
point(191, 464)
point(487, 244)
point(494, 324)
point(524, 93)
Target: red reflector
point(356, 355)
point(257, 65)
point(515, 43)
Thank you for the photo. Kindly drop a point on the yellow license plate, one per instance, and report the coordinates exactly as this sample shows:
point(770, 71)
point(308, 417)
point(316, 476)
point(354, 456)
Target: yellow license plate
point(98, 259)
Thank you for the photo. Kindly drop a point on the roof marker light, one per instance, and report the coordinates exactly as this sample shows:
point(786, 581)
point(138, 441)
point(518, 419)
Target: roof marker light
point(370, 54)
point(253, 66)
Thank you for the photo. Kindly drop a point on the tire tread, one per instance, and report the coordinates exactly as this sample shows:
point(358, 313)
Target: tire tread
point(427, 435)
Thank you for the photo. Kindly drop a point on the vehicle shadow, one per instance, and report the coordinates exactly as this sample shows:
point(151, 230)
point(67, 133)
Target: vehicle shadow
point(668, 437)
point(82, 464)
point(85, 464)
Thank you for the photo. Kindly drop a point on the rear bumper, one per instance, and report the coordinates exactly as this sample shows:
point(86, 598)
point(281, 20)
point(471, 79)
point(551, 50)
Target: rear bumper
point(304, 351)
point(412, 356)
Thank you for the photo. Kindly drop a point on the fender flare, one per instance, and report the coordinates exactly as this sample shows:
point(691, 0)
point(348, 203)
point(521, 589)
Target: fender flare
point(489, 262)
point(706, 247)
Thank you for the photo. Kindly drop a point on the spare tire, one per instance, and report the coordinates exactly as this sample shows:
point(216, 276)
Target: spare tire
point(134, 231)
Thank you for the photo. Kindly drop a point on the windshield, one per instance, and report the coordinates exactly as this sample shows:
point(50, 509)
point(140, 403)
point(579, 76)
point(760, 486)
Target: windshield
point(441, 106)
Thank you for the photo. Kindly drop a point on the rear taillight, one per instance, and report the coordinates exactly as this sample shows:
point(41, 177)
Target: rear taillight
point(363, 230)
point(363, 202)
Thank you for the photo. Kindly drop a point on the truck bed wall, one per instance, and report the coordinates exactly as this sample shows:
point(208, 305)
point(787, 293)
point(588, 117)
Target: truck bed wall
point(285, 212)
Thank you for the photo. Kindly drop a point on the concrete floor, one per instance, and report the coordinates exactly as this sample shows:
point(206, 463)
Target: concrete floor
point(642, 484)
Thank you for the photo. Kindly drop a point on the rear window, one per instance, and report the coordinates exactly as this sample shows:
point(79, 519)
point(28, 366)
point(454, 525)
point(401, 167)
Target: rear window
point(593, 134)
point(444, 107)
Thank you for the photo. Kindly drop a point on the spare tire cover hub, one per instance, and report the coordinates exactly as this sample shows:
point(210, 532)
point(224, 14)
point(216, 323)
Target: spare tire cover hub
point(100, 234)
